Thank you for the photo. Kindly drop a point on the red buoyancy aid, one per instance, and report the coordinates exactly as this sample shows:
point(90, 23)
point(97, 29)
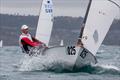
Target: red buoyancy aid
point(27, 40)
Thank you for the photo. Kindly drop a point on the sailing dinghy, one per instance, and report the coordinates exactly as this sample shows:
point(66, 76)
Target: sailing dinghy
point(98, 19)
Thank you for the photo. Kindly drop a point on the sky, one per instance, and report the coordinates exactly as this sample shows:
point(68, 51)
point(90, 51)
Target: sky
point(73, 8)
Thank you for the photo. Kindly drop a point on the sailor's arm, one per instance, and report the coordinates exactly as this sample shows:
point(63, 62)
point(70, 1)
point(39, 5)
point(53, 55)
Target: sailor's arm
point(29, 42)
point(36, 40)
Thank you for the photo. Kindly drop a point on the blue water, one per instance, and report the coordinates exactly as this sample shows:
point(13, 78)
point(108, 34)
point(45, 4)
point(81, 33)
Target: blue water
point(14, 65)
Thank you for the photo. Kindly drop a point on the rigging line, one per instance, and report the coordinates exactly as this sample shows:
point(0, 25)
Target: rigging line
point(115, 3)
point(88, 8)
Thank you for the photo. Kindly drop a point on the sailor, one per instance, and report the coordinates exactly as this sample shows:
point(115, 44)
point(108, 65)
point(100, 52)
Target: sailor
point(26, 41)
point(79, 43)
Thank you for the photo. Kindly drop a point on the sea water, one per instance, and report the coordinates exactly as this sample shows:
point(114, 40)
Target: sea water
point(15, 65)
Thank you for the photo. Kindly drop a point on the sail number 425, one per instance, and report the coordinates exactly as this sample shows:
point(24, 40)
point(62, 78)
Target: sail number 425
point(71, 50)
point(83, 53)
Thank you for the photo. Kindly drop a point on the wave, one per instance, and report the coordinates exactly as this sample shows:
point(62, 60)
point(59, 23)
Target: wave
point(106, 69)
point(53, 64)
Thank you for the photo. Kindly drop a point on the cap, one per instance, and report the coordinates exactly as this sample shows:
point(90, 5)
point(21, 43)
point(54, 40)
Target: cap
point(24, 27)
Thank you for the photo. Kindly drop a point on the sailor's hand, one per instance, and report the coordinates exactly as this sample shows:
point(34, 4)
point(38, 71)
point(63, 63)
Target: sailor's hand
point(79, 43)
point(44, 45)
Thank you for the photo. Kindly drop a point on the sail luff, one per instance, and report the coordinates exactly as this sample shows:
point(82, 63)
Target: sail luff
point(39, 17)
point(84, 21)
point(87, 11)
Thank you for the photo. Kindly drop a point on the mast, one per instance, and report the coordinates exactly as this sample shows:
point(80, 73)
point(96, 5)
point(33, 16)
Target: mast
point(84, 21)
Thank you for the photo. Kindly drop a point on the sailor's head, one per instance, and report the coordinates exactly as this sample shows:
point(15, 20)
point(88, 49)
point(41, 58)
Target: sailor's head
point(24, 29)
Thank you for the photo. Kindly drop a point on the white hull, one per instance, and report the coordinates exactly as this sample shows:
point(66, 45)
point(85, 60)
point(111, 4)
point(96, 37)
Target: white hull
point(73, 56)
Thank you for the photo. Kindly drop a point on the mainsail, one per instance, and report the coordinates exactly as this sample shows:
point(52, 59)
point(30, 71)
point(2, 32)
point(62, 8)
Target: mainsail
point(45, 22)
point(99, 19)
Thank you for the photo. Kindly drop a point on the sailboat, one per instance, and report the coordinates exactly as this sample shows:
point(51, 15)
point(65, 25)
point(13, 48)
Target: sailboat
point(98, 19)
point(1, 43)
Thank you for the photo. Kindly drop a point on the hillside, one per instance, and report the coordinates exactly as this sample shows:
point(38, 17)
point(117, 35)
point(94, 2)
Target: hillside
point(10, 28)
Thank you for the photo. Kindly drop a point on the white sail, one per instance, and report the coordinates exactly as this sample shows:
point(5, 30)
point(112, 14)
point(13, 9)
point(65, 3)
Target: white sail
point(45, 22)
point(61, 43)
point(99, 20)
point(1, 43)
